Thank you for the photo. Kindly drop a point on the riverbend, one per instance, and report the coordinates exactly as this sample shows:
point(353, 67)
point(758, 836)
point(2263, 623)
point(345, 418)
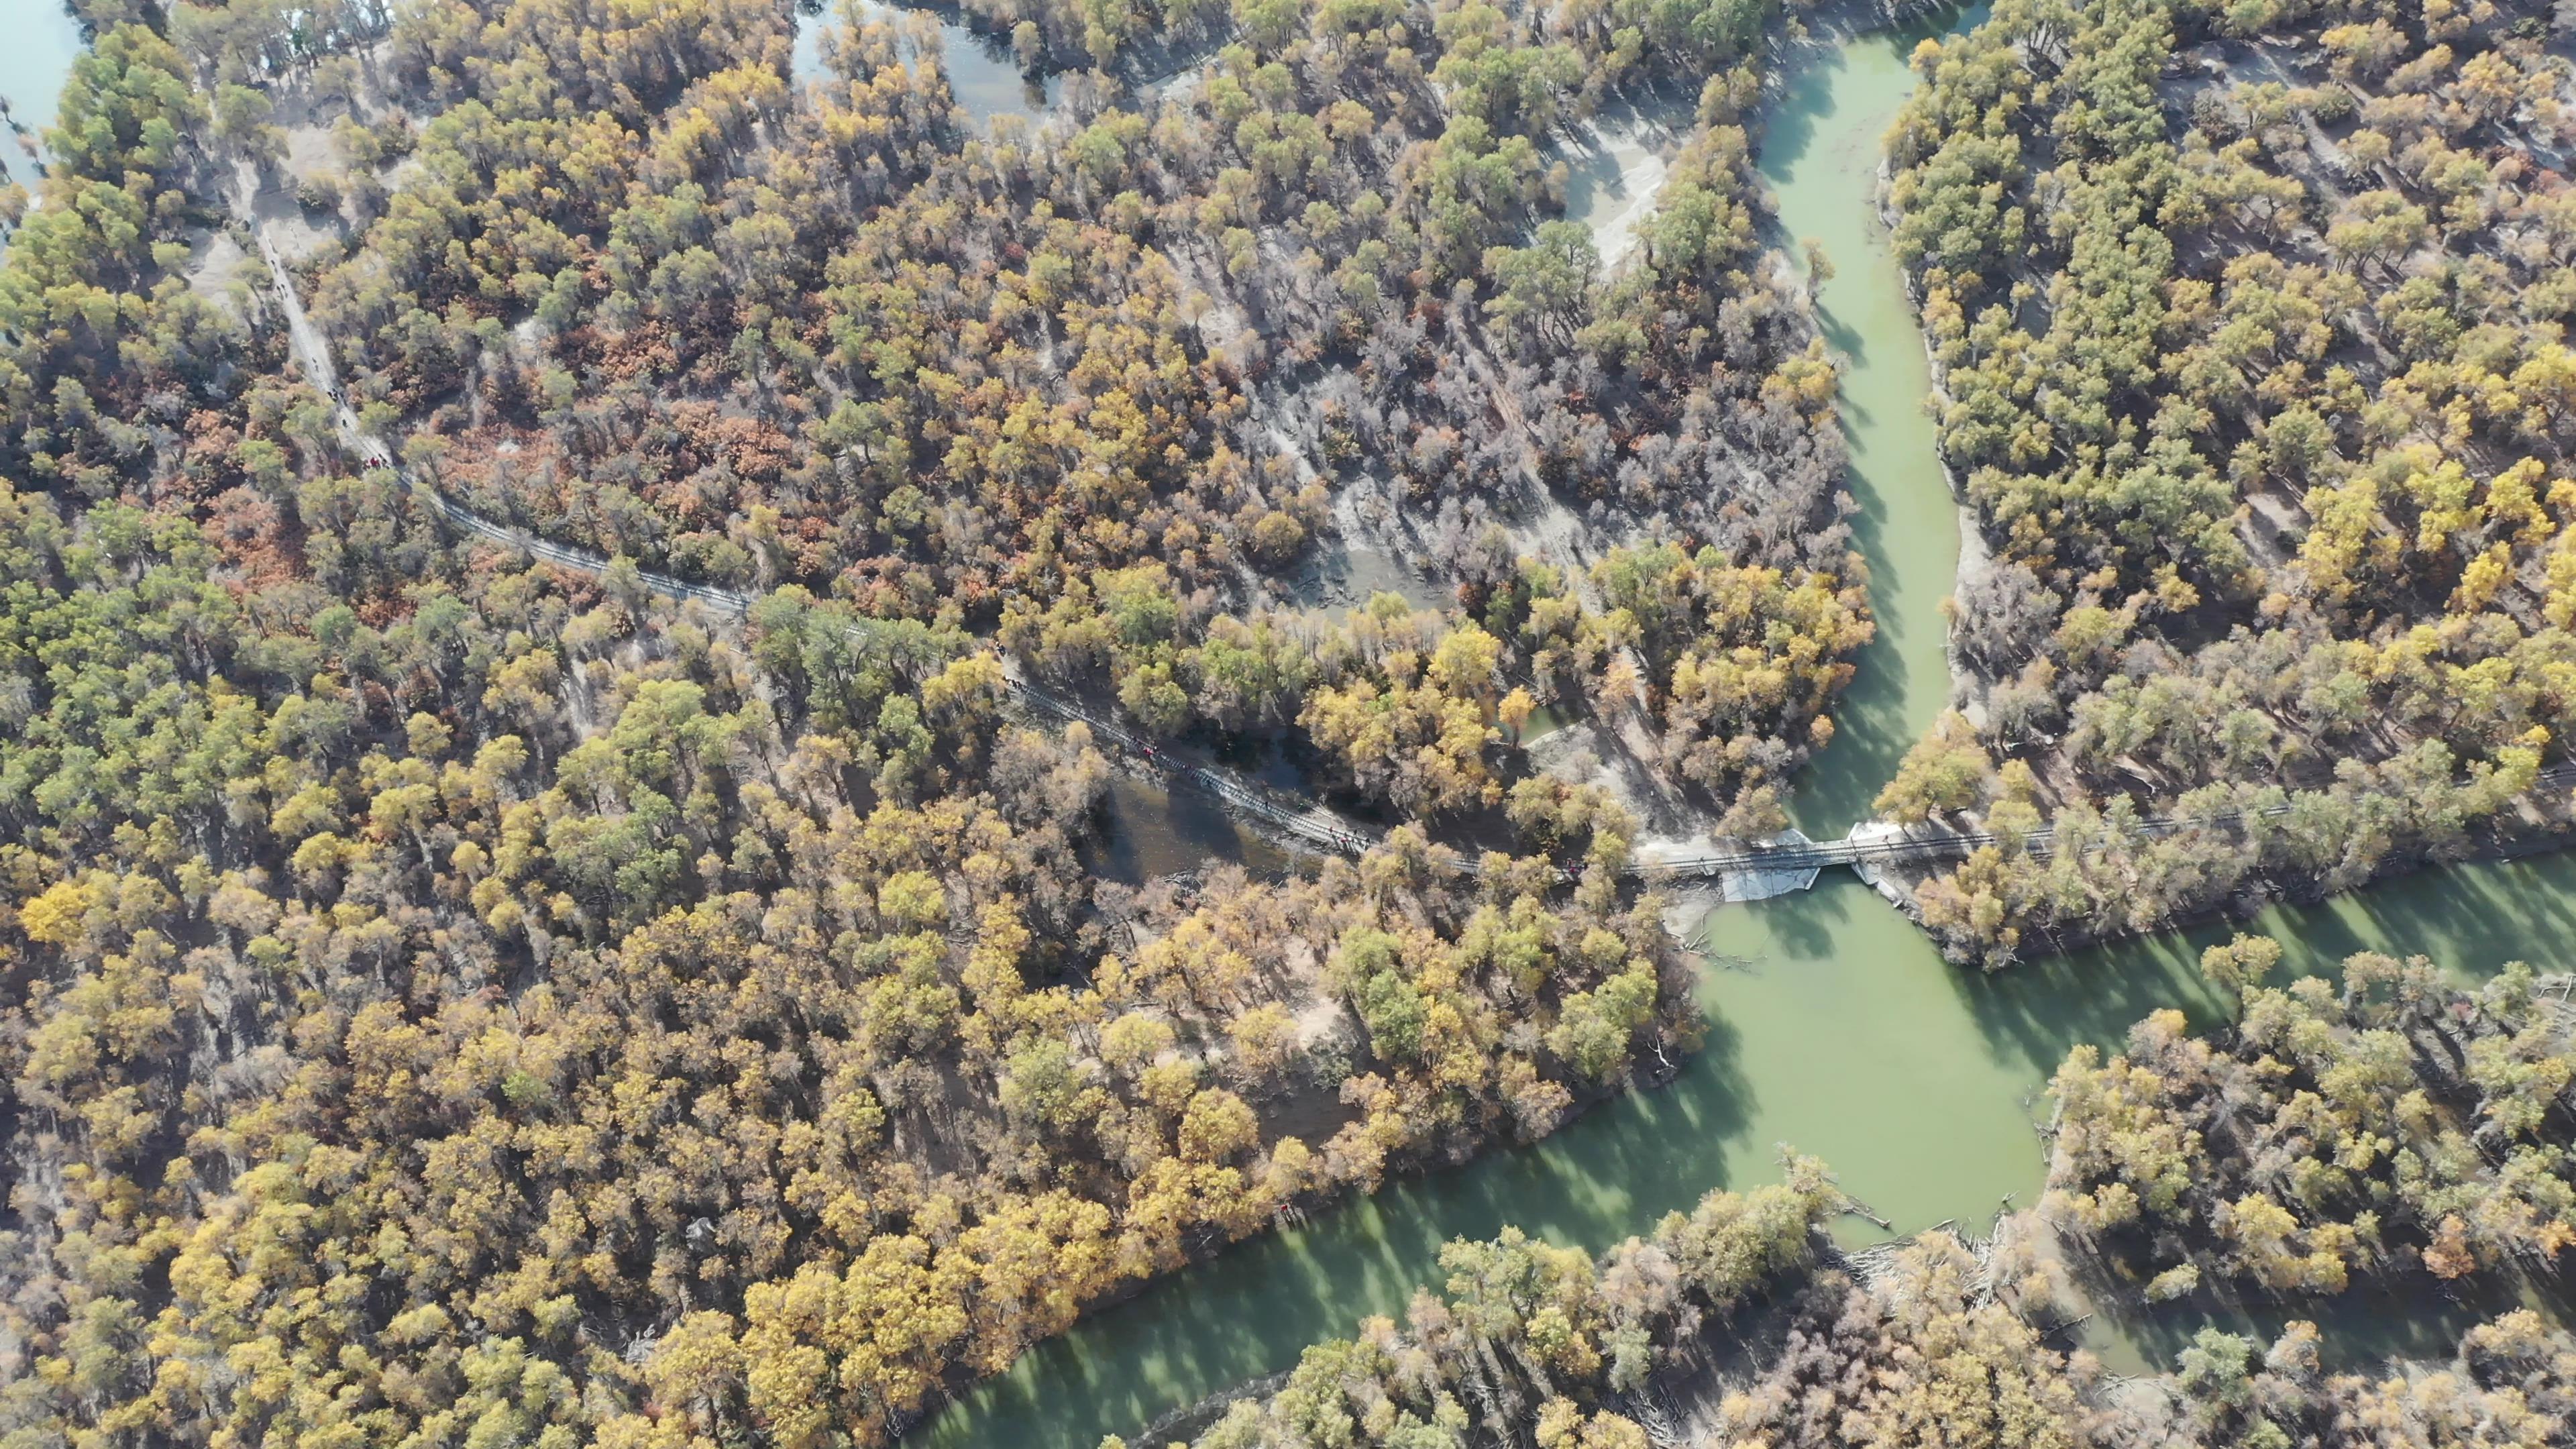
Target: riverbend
point(1834, 1024)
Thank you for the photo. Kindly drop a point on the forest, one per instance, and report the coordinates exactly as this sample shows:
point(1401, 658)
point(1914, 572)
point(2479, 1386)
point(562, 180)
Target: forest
point(1097, 391)
point(2337, 1142)
point(2387, 1124)
point(2247, 322)
point(1741, 1324)
point(447, 996)
point(452, 995)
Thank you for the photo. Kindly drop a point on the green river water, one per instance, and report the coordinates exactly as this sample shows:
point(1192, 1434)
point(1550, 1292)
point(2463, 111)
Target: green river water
point(1820, 154)
point(1834, 1025)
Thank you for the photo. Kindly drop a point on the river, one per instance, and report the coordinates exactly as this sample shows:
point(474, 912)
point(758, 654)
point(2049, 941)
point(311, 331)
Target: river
point(983, 75)
point(33, 65)
point(1820, 147)
point(1835, 1026)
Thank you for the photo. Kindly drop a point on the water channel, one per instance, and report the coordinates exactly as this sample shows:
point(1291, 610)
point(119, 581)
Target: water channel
point(1834, 1025)
point(1820, 147)
point(983, 74)
point(44, 40)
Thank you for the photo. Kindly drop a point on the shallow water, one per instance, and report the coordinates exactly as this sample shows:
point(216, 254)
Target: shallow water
point(982, 73)
point(1834, 1025)
point(43, 41)
point(1542, 722)
point(1153, 831)
point(1820, 147)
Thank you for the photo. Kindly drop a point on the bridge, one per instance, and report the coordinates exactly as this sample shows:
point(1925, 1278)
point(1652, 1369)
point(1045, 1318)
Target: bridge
point(1790, 863)
point(1868, 846)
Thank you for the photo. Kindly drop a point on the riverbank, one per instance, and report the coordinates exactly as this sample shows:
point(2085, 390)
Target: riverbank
point(1831, 100)
point(1899, 886)
point(44, 43)
point(1835, 1027)
point(1835, 1024)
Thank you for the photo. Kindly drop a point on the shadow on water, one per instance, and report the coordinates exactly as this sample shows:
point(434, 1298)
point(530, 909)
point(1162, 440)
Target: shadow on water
point(1153, 831)
point(983, 74)
point(1836, 1028)
point(2470, 920)
point(1252, 1310)
point(2370, 1323)
point(1819, 152)
point(44, 40)
point(1792, 126)
point(1923, 1083)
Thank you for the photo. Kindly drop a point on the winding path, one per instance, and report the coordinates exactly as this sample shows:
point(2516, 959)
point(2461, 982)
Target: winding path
point(1790, 863)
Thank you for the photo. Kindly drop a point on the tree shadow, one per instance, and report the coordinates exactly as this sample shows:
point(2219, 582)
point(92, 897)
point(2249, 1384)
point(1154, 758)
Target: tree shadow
point(2372, 1323)
point(1811, 931)
point(1254, 1308)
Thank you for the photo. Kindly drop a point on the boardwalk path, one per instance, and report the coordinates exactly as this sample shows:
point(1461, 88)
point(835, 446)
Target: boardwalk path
point(1791, 863)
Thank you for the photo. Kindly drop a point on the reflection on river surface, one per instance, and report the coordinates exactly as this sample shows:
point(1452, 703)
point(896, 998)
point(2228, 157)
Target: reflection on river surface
point(983, 74)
